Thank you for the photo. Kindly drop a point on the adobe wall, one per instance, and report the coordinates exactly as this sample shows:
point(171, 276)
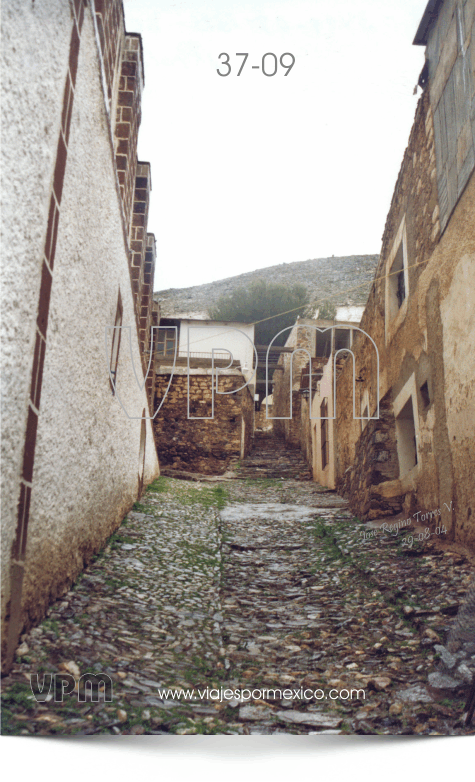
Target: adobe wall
point(204, 446)
point(85, 475)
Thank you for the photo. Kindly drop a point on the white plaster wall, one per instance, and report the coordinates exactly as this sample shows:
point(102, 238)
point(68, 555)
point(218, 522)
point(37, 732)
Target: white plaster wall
point(458, 320)
point(349, 314)
point(34, 52)
point(206, 335)
point(325, 477)
point(87, 453)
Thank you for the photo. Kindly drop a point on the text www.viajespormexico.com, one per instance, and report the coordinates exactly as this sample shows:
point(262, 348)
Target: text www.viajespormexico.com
point(245, 694)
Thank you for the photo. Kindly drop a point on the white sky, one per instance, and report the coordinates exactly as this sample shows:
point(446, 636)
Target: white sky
point(252, 171)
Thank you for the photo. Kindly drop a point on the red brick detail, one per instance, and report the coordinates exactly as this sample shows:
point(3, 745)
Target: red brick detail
point(44, 299)
point(19, 545)
point(30, 445)
point(60, 168)
point(67, 107)
point(74, 54)
point(110, 24)
point(52, 231)
point(37, 374)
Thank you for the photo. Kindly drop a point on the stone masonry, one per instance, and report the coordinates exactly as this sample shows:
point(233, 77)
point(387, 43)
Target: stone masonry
point(204, 446)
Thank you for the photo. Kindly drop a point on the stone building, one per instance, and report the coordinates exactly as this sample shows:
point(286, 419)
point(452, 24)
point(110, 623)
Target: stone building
point(204, 394)
point(420, 454)
point(403, 441)
point(78, 264)
point(303, 388)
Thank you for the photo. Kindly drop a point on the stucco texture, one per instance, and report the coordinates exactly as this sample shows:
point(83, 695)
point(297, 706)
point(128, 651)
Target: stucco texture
point(87, 452)
point(35, 44)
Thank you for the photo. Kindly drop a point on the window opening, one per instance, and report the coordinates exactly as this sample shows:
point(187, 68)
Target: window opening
point(342, 339)
point(166, 342)
point(406, 438)
point(425, 394)
point(323, 344)
point(397, 285)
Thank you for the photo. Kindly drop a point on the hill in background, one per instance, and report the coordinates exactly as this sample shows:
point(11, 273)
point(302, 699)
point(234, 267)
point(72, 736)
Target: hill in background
point(343, 281)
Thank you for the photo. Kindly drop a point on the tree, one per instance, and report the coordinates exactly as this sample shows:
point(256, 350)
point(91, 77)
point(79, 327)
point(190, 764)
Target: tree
point(262, 300)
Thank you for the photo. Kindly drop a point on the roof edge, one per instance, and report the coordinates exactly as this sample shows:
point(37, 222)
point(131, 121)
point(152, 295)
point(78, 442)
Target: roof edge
point(429, 17)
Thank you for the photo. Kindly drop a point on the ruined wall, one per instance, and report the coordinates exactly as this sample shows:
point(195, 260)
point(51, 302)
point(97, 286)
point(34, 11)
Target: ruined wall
point(415, 196)
point(204, 446)
point(70, 453)
point(372, 479)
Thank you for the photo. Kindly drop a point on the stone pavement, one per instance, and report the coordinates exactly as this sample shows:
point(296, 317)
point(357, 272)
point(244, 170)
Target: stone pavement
point(262, 584)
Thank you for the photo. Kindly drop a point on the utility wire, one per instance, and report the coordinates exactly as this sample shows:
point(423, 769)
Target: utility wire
point(318, 301)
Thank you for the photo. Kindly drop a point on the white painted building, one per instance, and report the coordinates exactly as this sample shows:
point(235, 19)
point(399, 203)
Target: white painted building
point(73, 462)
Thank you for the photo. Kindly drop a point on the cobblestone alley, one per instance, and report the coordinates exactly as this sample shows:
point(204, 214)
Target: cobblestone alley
point(258, 582)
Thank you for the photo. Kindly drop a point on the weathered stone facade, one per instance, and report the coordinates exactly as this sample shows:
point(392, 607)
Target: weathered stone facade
point(424, 327)
point(204, 446)
point(371, 479)
point(419, 320)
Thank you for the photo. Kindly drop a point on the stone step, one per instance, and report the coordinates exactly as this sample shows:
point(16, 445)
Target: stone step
point(270, 458)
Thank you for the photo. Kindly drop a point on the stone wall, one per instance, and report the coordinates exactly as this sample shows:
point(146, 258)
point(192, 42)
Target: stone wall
point(205, 446)
point(371, 480)
point(425, 351)
point(260, 420)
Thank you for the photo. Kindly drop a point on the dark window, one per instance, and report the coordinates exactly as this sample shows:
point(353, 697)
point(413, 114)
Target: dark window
point(323, 343)
point(406, 438)
point(342, 339)
point(425, 394)
point(397, 286)
point(401, 290)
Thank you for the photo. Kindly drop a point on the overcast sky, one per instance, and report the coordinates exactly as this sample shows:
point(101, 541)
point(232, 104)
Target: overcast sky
point(257, 170)
point(252, 170)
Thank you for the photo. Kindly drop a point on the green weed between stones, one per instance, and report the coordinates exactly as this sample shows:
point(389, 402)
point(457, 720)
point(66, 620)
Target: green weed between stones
point(160, 485)
point(206, 497)
point(140, 508)
point(264, 483)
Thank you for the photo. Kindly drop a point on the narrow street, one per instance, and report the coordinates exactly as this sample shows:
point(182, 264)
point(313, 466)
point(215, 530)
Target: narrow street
point(257, 582)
